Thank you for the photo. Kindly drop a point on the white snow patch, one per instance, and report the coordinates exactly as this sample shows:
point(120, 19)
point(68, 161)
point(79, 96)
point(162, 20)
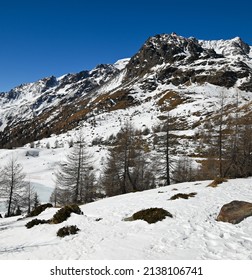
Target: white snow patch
point(121, 63)
point(192, 233)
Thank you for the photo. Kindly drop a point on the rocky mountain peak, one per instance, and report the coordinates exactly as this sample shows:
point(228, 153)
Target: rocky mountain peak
point(228, 48)
point(51, 82)
point(238, 43)
point(103, 72)
point(169, 49)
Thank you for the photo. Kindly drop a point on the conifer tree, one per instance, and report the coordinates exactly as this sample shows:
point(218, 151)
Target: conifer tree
point(74, 179)
point(36, 201)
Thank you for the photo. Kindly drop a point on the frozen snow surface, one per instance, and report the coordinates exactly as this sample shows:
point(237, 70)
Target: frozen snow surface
point(193, 232)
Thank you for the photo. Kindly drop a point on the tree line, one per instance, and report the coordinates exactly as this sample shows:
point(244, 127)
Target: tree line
point(228, 141)
point(139, 160)
point(135, 162)
point(128, 168)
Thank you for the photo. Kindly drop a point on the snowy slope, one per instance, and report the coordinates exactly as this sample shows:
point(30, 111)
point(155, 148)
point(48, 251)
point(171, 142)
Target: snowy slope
point(229, 48)
point(40, 170)
point(27, 101)
point(192, 233)
point(121, 63)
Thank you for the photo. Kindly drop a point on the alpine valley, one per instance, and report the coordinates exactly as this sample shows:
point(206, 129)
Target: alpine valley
point(198, 91)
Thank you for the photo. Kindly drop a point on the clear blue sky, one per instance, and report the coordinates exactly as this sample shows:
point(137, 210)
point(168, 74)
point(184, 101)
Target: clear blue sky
point(40, 38)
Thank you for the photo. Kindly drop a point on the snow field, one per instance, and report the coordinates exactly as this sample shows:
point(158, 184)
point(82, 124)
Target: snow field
point(192, 233)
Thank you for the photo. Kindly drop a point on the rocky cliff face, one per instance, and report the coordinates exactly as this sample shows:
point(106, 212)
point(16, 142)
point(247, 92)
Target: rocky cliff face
point(182, 61)
point(169, 72)
point(171, 50)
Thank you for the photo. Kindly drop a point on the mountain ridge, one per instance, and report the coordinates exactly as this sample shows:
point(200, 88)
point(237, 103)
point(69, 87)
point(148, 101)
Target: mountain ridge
point(165, 63)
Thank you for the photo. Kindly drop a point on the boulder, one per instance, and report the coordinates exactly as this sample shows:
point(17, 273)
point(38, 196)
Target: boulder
point(235, 211)
point(32, 153)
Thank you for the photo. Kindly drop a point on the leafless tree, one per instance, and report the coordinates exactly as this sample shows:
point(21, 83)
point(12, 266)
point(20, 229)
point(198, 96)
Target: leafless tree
point(74, 178)
point(29, 197)
point(13, 185)
point(184, 170)
point(220, 131)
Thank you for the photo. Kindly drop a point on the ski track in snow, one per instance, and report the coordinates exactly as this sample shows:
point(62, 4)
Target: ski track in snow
point(192, 233)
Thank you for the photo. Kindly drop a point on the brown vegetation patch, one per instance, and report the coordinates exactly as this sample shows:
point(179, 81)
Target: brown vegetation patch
point(217, 181)
point(36, 222)
point(122, 104)
point(151, 215)
point(183, 195)
point(64, 213)
point(170, 100)
point(77, 116)
point(39, 209)
point(68, 230)
point(100, 99)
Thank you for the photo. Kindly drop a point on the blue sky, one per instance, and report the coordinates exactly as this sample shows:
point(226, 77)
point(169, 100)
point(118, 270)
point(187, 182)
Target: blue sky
point(54, 37)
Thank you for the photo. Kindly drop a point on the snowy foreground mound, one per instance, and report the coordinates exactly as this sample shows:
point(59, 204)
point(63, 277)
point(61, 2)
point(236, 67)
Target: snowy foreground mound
point(192, 233)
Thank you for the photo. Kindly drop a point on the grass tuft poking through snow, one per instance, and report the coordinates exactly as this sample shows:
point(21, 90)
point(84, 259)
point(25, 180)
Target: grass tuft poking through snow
point(68, 230)
point(151, 215)
point(64, 213)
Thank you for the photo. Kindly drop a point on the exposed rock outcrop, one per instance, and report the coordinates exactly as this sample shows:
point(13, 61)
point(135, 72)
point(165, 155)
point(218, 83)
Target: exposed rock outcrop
point(235, 212)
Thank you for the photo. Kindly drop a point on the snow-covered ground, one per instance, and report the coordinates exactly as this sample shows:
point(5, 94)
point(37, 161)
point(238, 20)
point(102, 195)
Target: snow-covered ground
point(39, 170)
point(192, 233)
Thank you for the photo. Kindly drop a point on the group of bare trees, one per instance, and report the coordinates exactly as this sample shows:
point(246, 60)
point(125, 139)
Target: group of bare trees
point(237, 152)
point(228, 141)
point(15, 190)
point(129, 167)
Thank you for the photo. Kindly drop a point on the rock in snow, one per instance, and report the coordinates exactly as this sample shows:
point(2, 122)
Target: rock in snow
point(235, 212)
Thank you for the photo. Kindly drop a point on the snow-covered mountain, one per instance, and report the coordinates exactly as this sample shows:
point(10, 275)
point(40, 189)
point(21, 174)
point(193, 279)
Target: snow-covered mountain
point(46, 98)
point(184, 77)
point(169, 72)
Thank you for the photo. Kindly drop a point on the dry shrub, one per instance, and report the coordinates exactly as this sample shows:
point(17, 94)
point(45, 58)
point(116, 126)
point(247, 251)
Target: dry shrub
point(35, 222)
point(216, 182)
point(183, 195)
point(39, 209)
point(68, 230)
point(64, 213)
point(151, 215)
